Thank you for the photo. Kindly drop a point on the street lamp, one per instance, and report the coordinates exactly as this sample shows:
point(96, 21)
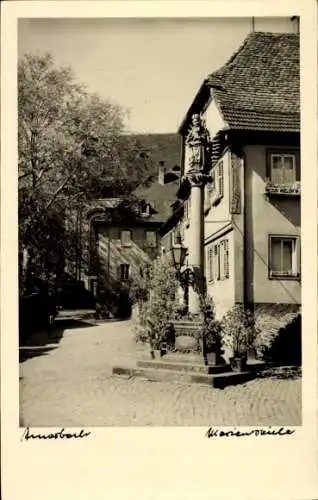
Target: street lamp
point(178, 252)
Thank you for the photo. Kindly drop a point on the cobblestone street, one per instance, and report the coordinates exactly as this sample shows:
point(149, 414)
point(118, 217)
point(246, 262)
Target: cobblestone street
point(72, 385)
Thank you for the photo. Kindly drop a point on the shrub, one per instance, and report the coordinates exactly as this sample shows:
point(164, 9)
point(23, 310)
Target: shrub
point(156, 313)
point(238, 331)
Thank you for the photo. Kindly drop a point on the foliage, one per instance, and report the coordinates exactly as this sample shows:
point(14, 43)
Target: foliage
point(156, 313)
point(211, 330)
point(140, 286)
point(238, 331)
point(182, 313)
point(71, 149)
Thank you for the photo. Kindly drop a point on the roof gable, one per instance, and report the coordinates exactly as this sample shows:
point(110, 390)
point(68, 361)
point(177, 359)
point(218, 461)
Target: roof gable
point(259, 87)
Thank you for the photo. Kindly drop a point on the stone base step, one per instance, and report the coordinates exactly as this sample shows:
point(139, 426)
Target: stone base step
point(217, 380)
point(180, 366)
point(179, 357)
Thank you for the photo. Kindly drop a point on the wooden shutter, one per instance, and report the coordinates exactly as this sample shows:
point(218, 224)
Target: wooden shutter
point(210, 263)
point(221, 257)
point(220, 179)
point(216, 262)
point(226, 259)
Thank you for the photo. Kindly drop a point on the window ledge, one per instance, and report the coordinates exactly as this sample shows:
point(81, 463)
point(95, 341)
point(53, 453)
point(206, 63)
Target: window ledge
point(284, 276)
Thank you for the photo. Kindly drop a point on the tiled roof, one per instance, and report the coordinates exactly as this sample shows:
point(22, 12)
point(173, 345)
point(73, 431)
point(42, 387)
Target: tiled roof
point(166, 148)
point(160, 197)
point(101, 204)
point(160, 147)
point(157, 147)
point(259, 87)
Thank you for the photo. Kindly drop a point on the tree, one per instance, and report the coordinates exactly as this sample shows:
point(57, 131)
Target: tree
point(71, 149)
point(155, 292)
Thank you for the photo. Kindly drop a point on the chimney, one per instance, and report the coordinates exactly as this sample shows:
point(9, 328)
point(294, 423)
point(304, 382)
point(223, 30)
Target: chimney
point(161, 173)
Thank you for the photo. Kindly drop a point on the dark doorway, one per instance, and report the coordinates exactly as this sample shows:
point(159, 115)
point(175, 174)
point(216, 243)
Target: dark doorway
point(124, 305)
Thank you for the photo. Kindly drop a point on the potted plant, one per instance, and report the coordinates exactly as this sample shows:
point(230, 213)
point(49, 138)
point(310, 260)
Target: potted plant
point(239, 359)
point(212, 347)
point(168, 339)
point(210, 342)
point(238, 334)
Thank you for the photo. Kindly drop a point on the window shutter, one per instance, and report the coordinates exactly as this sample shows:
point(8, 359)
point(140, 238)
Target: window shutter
point(220, 179)
point(216, 262)
point(221, 257)
point(210, 263)
point(226, 259)
point(298, 259)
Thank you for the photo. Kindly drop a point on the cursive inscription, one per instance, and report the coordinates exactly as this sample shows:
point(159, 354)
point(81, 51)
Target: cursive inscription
point(212, 433)
point(54, 435)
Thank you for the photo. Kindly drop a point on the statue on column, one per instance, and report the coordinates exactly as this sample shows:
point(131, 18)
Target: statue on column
point(198, 141)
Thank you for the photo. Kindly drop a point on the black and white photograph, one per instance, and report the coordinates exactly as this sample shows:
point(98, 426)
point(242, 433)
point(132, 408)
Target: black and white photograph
point(159, 196)
point(159, 249)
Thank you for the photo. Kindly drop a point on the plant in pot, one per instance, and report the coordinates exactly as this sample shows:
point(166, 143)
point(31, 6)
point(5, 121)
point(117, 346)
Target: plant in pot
point(210, 341)
point(238, 334)
point(168, 339)
point(153, 339)
point(212, 346)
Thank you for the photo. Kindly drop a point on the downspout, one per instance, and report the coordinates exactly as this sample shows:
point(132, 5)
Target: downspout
point(182, 156)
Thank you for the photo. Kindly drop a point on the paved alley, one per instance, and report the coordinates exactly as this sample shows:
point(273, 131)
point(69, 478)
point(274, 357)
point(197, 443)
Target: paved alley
point(68, 382)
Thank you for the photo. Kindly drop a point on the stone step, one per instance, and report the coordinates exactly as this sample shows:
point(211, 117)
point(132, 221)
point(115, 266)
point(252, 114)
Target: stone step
point(182, 366)
point(219, 380)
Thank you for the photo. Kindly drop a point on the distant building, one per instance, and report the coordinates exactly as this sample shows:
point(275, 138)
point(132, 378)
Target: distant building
point(120, 236)
point(241, 197)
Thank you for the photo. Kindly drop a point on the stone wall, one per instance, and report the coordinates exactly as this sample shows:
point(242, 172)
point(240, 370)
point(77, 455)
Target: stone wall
point(271, 320)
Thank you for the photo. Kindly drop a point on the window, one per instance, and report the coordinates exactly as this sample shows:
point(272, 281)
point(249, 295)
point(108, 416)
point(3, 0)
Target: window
point(284, 257)
point(124, 272)
point(151, 239)
point(125, 237)
point(218, 261)
point(144, 209)
point(282, 168)
point(217, 183)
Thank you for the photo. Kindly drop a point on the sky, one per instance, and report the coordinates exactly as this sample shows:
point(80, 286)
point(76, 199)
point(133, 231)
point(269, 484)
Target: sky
point(151, 67)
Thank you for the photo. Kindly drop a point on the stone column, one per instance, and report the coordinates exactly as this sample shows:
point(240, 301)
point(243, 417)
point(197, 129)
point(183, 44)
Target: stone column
point(196, 243)
point(197, 142)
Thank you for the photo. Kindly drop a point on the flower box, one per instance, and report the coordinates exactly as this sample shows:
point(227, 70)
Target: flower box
point(272, 188)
